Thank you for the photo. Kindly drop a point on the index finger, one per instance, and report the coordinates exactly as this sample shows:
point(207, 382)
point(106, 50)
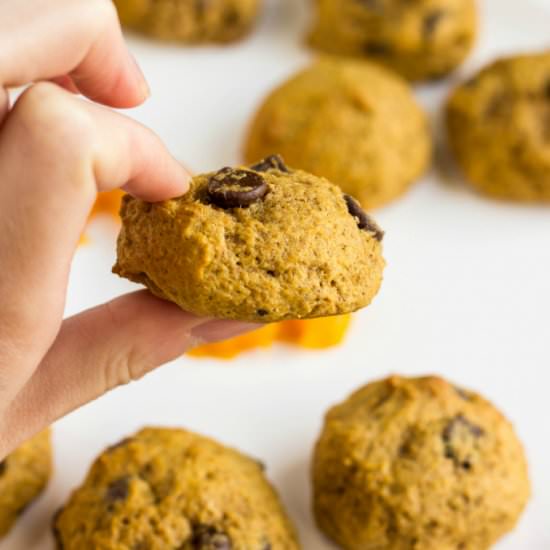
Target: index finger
point(43, 39)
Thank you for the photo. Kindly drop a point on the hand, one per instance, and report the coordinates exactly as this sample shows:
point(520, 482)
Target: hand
point(56, 152)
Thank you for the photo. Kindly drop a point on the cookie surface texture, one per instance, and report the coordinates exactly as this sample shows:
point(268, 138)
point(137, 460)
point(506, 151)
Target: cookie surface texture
point(23, 476)
point(172, 489)
point(353, 122)
point(418, 464)
point(190, 21)
point(422, 40)
point(256, 244)
point(498, 127)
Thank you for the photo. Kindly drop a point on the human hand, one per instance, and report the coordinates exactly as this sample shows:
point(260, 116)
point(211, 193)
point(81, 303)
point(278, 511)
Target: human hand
point(56, 152)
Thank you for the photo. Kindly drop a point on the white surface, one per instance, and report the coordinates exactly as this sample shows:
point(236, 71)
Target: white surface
point(466, 293)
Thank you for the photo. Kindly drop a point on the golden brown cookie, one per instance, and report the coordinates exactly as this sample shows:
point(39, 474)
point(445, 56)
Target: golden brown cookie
point(423, 39)
point(168, 488)
point(352, 122)
point(261, 244)
point(23, 476)
point(190, 21)
point(416, 463)
point(499, 128)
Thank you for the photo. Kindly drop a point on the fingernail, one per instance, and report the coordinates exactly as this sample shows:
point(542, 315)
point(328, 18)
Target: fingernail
point(214, 331)
point(140, 78)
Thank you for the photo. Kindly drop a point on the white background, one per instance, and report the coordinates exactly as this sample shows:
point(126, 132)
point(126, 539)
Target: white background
point(466, 291)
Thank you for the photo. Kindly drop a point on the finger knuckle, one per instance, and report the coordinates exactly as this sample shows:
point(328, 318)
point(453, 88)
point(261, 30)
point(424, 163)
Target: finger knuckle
point(51, 118)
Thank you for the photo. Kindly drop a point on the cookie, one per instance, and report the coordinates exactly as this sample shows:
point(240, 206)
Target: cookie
point(170, 488)
point(352, 122)
point(259, 244)
point(190, 21)
point(498, 126)
point(424, 39)
point(23, 476)
point(416, 463)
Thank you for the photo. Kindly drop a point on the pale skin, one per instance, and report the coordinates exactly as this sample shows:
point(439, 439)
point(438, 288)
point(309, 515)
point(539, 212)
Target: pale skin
point(57, 152)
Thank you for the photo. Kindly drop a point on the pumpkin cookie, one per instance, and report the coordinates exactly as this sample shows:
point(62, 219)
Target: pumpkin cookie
point(352, 122)
point(424, 39)
point(260, 244)
point(499, 128)
point(416, 463)
point(169, 488)
point(23, 475)
point(190, 21)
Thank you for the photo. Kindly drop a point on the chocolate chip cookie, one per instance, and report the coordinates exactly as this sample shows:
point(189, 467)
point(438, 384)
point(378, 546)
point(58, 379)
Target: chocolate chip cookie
point(170, 488)
point(499, 128)
point(262, 244)
point(424, 39)
point(417, 463)
point(352, 122)
point(190, 21)
point(23, 476)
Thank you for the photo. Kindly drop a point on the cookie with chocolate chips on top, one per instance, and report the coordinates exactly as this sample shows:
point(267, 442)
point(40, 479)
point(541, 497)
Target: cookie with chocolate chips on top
point(190, 21)
point(417, 463)
point(498, 125)
point(261, 243)
point(24, 474)
point(170, 488)
point(421, 39)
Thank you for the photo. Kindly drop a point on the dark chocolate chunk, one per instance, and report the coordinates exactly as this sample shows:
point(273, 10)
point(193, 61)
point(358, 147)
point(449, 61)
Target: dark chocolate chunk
point(117, 490)
point(207, 537)
point(375, 48)
point(453, 433)
point(273, 162)
point(230, 188)
point(3, 466)
point(363, 221)
point(262, 312)
point(431, 21)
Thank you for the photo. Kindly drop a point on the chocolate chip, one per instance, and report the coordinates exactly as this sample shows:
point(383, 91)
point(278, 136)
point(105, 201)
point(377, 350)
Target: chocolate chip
point(363, 220)
point(230, 188)
point(456, 423)
point(207, 537)
point(3, 466)
point(431, 21)
point(117, 490)
point(261, 312)
point(273, 162)
point(456, 444)
point(376, 48)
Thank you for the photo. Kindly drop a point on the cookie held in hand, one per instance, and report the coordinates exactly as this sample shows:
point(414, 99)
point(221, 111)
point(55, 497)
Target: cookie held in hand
point(261, 244)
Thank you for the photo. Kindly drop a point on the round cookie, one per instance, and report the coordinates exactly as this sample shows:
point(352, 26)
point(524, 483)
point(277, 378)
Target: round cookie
point(416, 463)
point(24, 474)
point(190, 21)
point(353, 122)
point(259, 244)
point(498, 126)
point(170, 488)
point(424, 39)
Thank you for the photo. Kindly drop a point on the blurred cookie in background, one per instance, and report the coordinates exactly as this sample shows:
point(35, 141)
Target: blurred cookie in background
point(351, 121)
point(417, 463)
point(190, 21)
point(422, 40)
point(170, 488)
point(498, 127)
point(24, 474)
